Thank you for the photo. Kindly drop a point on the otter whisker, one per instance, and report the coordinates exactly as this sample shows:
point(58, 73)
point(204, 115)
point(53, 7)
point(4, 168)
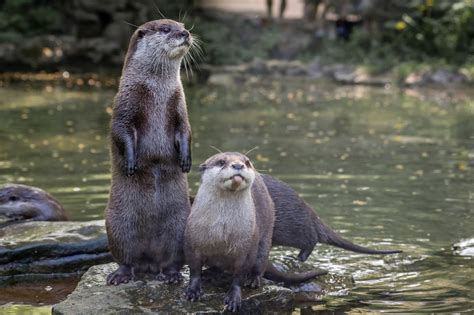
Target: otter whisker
point(196, 38)
point(192, 27)
point(185, 64)
point(197, 52)
point(190, 56)
point(131, 24)
point(197, 44)
point(189, 64)
point(158, 9)
point(184, 16)
point(215, 148)
point(254, 148)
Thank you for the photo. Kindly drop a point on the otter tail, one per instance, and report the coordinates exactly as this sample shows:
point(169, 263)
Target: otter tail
point(328, 236)
point(272, 273)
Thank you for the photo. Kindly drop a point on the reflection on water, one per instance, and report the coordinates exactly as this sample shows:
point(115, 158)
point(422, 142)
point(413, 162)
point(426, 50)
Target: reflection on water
point(385, 168)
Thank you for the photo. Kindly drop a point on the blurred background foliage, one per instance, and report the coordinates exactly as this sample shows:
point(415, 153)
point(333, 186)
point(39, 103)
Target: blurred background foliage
point(420, 29)
point(47, 34)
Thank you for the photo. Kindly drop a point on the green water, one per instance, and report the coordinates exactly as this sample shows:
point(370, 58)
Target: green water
point(386, 168)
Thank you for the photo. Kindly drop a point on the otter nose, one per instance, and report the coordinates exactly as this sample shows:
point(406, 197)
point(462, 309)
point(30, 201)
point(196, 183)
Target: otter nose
point(184, 34)
point(237, 166)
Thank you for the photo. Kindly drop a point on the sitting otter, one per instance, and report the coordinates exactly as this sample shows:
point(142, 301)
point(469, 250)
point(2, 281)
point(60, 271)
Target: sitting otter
point(21, 202)
point(230, 227)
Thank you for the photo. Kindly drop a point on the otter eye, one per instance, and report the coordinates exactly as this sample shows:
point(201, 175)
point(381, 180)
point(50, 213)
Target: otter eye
point(165, 30)
point(247, 163)
point(221, 162)
point(13, 198)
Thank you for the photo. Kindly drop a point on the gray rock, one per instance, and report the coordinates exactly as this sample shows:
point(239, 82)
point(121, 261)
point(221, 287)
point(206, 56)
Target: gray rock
point(39, 250)
point(448, 77)
point(92, 296)
point(464, 247)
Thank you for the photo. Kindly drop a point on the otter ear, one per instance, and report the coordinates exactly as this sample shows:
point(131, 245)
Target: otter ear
point(141, 33)
point(202, 167)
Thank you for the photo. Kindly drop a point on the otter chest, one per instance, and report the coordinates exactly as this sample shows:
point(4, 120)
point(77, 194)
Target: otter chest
point(157, 126)
point(222, 227)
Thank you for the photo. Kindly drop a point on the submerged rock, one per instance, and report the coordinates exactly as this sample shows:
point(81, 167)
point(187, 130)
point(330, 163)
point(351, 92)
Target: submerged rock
point(93, 296)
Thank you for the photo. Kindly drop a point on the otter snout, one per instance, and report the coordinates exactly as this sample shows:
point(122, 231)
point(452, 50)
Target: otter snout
point(237, 165)
point(183, 34)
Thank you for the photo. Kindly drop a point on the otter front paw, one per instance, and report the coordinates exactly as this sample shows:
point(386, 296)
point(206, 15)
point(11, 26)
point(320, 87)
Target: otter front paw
point(185, 162)
point(131, 166)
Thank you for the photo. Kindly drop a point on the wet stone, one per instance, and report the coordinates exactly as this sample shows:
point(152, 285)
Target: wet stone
point(32, 251)
point(464, 247)
point(92, 295)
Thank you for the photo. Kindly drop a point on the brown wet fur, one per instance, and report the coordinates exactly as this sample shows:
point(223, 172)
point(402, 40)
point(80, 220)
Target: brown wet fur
point(297, 224)
point(20, 202)
point(150, 152)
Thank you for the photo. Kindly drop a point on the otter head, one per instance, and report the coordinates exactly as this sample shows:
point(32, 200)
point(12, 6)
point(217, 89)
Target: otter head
point(229, 171)
point(20, 202)
point(159, 41)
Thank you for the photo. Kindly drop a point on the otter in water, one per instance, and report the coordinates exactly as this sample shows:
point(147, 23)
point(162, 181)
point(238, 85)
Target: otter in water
point(297, 224)
point(230, 227)
point(151, 152)
point(21, 202)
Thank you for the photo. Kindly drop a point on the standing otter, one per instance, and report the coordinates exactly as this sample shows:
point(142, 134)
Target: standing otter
point(150, 150)
point(230, 227)
point(21, 202)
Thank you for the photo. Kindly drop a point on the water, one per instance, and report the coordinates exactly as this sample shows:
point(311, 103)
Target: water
point(386, 168)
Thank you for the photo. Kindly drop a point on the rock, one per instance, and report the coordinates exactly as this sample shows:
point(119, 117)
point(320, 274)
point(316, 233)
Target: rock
point(448, 77)
point(415, 79)
point(314, 68)
point(93, 296)
point(344, 74)
point(258, 66)
point(37, 250)
point(464, 247)
point(349, 75)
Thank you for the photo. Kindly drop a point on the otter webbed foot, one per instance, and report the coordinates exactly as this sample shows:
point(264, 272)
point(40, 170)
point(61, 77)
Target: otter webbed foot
point(253, 281)
point(170, 276)
point(122, 275)
point(193, 293)
point(233, 299)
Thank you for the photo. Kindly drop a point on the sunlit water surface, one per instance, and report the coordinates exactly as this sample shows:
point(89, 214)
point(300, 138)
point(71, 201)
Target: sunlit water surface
point(385, 168)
